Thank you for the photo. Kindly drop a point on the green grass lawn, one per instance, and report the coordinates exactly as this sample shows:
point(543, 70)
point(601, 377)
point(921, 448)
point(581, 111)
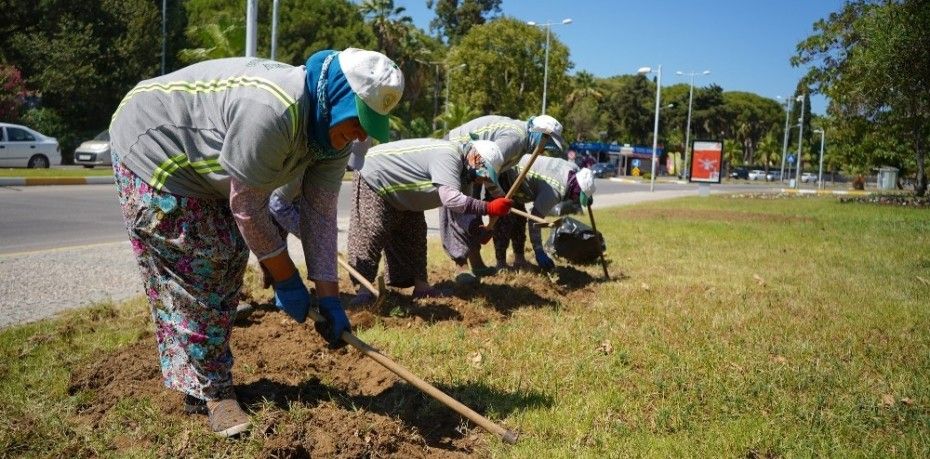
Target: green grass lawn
point(69, 172)
point(740, 328)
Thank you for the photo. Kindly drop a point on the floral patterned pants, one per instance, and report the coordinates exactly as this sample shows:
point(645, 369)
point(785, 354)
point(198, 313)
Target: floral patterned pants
point(192, 259)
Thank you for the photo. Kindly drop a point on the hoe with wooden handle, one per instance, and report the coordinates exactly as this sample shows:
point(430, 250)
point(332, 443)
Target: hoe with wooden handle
point(516, 185)
point(508, 436)
point(377, 292)
point(537, 220)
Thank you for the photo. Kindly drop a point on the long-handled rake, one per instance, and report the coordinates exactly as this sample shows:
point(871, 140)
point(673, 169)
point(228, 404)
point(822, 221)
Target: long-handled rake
point(377, 292)
point(516, 184)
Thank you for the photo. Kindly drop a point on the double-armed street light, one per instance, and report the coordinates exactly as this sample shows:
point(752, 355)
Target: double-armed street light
point(691, 74)
point(548, 26)
point(797, 177)
point(655, 129)
point(784, 147)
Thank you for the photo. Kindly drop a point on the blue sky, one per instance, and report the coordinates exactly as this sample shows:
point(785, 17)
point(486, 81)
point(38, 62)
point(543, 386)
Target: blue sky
point(745, 44)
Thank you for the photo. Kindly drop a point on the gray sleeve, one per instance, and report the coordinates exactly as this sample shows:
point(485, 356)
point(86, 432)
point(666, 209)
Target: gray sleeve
point(446, 170)
point(512, 147)
point(457, 202)
point(257, 146)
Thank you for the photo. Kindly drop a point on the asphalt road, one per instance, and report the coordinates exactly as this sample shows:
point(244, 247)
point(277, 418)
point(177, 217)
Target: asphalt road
point(39, 218)
point(63, 247)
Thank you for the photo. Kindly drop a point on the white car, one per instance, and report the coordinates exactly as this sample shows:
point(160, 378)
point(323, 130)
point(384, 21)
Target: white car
point(760, 175)
point(808, 177)
point(95, 152)
point(23, 147)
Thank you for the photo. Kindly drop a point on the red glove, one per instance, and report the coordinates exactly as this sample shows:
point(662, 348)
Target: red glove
point(499, 207)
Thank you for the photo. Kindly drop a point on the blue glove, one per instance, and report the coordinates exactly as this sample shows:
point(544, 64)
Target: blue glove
point(336, 321)
point(543, 260)
point(292, 297)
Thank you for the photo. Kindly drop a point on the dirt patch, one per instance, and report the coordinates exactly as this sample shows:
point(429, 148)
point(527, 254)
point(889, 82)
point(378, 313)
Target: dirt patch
point(347, 404)
point(710, 215)
point(357, 408)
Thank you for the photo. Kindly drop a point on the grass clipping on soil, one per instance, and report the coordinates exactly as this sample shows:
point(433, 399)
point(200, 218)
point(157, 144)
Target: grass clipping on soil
point(731, 327)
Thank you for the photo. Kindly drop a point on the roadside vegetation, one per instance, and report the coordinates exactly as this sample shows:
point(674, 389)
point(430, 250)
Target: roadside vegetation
point(732, 327)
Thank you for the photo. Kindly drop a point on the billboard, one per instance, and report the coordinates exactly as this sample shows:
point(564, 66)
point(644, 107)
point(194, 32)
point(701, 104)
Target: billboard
point(706, 161)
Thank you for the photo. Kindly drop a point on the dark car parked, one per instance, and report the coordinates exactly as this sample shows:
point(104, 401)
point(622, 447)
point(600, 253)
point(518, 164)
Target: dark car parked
point(602, 170)
point(740, 173)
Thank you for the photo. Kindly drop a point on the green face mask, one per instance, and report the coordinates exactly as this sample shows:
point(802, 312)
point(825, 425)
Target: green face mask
point(585, 200)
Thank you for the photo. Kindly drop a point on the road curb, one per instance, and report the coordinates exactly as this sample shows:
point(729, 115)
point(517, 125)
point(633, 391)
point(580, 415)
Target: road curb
point(35, 181)
point(843, 192)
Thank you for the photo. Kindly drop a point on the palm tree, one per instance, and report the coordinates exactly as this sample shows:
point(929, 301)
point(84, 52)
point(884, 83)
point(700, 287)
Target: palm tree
point(584, 86)
point(391, 26)
point(455, 115)
point(217, 40)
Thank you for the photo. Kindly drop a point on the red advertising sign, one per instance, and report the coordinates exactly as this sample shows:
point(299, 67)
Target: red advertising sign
point(706, 161)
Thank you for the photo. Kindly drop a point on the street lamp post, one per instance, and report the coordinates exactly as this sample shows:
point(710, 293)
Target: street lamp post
point(820, 171)
point(655, 129)
point(251, 27)
point(548, 26)
point(445, 122)
point(274, 29)
point(797, 176)
point(784, 146)
point(688, 124)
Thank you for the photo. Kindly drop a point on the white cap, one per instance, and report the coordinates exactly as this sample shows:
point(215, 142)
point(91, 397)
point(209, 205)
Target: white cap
point(550, 126)
point(373, 77)
point(545, 124)
point(585, 180)
point(490, 153)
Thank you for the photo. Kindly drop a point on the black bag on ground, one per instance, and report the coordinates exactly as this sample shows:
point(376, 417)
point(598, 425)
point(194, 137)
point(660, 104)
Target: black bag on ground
point(575, 242)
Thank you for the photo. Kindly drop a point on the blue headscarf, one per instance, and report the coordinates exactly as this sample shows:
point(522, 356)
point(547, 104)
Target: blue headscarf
point(332, 100)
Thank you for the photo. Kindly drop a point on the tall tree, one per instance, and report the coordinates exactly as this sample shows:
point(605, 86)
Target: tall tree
point(631, 110)
point(753, 117)
point(504, 73)
point(872, 58)
point(454, 18)
point(83, 56)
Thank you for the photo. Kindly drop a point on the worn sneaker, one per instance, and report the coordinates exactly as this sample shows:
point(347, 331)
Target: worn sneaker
point(194, 405)
point(362, 298)
point(227, 418)
point(464, 279)
point(243, 311)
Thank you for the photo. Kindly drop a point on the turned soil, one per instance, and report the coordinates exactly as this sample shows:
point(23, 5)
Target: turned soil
point(350, 405)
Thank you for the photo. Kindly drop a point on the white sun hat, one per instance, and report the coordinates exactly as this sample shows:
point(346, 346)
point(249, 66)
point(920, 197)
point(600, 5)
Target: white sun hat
point(585, 180)
point(378, 85)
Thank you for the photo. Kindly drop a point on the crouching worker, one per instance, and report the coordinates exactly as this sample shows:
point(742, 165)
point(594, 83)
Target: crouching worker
point(398, 182)
point(197, 154)
point(514, 138)
point(549, 182)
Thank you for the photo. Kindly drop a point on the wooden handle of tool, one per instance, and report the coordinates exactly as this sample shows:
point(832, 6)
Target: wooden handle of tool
point(530, 216)
point(516, 185)
point(358, 276)
point(507, 436)
point(594, 227)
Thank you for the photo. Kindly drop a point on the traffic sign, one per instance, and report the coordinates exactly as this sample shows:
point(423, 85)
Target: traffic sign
point(791, 159)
